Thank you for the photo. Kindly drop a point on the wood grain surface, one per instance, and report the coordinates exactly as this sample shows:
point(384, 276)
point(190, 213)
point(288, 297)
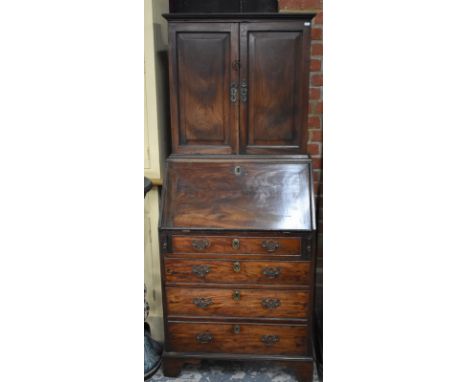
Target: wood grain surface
point(227, 245)
point(237, 271)
point(238, 195)
point(238, 338)
point(182, 302)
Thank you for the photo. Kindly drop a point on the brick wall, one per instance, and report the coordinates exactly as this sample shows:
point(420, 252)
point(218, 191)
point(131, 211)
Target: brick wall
point(314, 145)
point(315, 124)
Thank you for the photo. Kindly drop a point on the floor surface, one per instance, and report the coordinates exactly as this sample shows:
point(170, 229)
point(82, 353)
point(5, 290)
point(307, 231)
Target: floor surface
point(225, 371)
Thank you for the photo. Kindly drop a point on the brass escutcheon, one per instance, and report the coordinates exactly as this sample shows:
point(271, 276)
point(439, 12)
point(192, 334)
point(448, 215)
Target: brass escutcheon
point(236, 329)
point(235, 243)
point(236, 266)
point(236, 295)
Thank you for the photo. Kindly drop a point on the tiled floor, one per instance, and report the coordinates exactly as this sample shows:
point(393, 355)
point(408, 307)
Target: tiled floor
point(225, 371)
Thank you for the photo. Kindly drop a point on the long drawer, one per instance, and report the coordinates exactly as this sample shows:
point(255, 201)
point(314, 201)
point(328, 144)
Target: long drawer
point(258, 303)
point(238, 338)
point(242, 271)
point(237, 245)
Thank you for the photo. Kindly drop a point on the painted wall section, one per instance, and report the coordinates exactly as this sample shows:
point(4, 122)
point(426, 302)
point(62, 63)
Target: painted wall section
point(156, 149)
point(156, 99)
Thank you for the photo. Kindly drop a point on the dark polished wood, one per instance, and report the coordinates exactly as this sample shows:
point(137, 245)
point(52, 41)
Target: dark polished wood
point(236, 231)
point(256, 195)
point(251, 101)
point(238, 338)
point(274, 117)
point(213, 6)
point(217, 17)
point(237, 244)
point(304, 370)
point(204, 120)
point(237, 272)
point(237, 302)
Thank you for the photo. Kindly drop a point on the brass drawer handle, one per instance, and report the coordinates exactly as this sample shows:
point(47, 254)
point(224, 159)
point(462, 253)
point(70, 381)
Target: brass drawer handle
point(236, 267)
point(236, 329)
point(235, 243)
point(204, 338)
point(202, 302)
point(236, 296)
point(271, 272)
point(200, 244)
point(271, 303)
point(270, 340)
point(270, 245)
point(200, 270)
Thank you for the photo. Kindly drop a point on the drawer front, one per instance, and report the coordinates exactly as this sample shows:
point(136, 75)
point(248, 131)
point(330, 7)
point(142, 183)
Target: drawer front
point(238, 338)
point(205, 302)
point(233, 244)
point(237, 271)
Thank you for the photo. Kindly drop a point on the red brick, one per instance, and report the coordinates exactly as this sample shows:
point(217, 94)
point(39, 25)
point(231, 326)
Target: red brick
point(315, 135)
point(316, 33)
point(313, 105)
point(318, 20)
point(315, 65)
point(316, 80)
point(319, 107)
point(314, 93)
point(299, 4)
point(313, 148)
point(313, 122)
point(316, 49)
point(316, 162)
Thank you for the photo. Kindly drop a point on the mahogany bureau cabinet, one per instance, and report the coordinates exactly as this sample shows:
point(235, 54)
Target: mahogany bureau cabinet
point(237, 224)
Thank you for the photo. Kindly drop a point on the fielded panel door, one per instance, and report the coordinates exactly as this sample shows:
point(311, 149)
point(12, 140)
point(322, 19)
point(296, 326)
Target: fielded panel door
point(273, 87)
point(204, 115)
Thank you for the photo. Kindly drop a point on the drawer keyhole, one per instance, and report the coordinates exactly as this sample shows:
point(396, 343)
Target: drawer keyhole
point(236, 266)
point(236, 329)
point(236, 243)
point(236, 295)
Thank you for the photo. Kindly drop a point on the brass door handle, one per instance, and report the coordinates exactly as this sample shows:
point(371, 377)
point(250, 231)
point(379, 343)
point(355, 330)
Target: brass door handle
point(270, 340)
point(200, 270)
point(244, 91)
point(270, 245)
point(271, 272)
point(202, 302)
point(200, 244)
point(233, 92)
point(204, 338)
point(271, 303)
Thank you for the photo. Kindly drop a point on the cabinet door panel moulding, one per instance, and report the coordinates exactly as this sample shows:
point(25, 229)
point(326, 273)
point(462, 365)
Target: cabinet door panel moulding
point(239, 87)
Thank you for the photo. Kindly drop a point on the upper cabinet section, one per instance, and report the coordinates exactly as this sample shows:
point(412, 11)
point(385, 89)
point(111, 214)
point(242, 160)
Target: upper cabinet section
point(239, 84)
point(203, 118)
point(274, 71)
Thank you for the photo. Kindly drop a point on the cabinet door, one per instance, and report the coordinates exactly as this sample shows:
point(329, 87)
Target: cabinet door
point(273, 87)
point(204, 115)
